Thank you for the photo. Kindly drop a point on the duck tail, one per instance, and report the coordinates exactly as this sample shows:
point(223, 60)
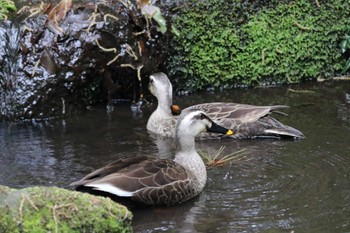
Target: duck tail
point(286, 131)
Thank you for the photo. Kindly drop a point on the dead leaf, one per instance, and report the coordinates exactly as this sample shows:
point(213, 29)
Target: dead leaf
point(57, 14)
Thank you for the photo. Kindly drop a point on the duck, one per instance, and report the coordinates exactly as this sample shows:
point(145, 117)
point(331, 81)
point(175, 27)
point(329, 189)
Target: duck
point(247, 121)
point(150, 181)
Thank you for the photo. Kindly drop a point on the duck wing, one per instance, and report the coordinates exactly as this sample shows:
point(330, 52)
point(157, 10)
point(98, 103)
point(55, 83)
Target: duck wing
point(144, 180)
point(240, 113)
point(248, 121)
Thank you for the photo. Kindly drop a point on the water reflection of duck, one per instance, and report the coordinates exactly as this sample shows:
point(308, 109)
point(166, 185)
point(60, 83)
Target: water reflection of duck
point(159, 181)
point(247, 121)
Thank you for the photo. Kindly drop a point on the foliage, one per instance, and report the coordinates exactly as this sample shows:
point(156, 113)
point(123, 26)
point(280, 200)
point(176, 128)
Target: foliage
point(246, 43)
point(5, 7)
point(345, 48)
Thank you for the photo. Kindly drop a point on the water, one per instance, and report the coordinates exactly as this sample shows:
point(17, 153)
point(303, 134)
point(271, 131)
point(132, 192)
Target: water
point(277, 186)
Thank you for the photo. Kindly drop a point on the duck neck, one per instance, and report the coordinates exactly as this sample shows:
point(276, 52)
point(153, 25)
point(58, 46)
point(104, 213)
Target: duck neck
point(161, 120)
point(164, 104)
point(187, 156)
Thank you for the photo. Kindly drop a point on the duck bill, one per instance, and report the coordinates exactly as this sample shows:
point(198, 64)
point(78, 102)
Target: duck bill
point(215, 128)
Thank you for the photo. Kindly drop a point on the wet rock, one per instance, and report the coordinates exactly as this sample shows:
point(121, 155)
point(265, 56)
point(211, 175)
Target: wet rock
point(94, 54)
point(51, 209)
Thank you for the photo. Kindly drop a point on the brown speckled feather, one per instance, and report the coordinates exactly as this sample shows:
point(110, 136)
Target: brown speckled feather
point(247, 121)
point(151, 181)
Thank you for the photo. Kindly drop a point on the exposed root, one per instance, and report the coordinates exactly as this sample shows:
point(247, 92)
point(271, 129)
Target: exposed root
point(109, 16)
point(35, 10)
point(114, 50)
point(113, 60)
point(147, 30)
point(139, 72)
point(138, 69)
point(128, 65)
point(131, 52)
point(93, 19)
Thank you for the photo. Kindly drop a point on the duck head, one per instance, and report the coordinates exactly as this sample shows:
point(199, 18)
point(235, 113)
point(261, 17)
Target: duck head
point(193, 122)
point(160, 85)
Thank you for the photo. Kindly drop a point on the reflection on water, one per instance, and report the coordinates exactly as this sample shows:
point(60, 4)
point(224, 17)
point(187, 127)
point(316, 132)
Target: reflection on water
point(278, 186)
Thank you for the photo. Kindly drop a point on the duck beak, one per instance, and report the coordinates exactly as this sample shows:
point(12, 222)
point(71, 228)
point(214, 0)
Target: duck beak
point(215, 128)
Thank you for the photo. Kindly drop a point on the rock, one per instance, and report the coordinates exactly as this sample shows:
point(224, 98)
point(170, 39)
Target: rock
point(52, 209)
point(91, 54)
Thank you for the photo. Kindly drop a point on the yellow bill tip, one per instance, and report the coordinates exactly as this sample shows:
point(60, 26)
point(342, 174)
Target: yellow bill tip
point(229, 132)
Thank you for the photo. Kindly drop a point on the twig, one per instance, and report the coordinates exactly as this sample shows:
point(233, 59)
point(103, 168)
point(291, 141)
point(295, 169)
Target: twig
point(301, 26)
point(301, 91)
point(54, 213)
point(263, 56)
point(290, 80)
point(55, 217)
point(31, 203)
point(318, 4)
point(342, 78)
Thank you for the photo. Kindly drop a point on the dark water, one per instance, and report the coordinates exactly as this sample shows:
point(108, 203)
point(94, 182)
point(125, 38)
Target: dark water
point(277, 186)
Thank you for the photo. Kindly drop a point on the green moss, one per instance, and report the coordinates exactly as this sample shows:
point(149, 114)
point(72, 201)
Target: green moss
point(6, 6)
point(43, 209)
point(236, 42)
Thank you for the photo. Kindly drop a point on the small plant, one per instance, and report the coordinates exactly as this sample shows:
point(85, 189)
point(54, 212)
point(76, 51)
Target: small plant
point(5, 7)
point(218, 159)
point(345, 48)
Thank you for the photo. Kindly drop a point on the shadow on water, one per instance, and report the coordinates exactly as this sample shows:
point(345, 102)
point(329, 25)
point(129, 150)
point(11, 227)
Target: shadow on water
point(277, 186)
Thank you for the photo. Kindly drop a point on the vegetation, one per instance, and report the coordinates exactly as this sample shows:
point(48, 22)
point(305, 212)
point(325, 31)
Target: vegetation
point(219, 159)
point(6, 6)
point(51, 209)
point(345, 49)
point(239, 42)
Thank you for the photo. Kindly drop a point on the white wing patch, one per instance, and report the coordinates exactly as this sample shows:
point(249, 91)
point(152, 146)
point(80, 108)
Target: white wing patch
point(111, 189)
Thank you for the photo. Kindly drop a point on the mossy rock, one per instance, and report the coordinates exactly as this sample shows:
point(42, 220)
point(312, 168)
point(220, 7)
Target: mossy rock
point(51, 209)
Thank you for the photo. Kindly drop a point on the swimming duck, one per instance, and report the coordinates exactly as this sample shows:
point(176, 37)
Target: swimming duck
point(154, 182)
point(247, 121)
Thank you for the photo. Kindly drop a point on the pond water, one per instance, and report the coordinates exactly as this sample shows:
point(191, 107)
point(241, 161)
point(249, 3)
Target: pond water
point(276, 186)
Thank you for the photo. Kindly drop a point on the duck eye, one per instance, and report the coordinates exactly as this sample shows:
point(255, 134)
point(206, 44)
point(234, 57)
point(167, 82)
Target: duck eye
point(202, 116)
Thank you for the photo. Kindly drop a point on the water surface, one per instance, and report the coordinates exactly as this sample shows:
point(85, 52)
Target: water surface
point(277, 186)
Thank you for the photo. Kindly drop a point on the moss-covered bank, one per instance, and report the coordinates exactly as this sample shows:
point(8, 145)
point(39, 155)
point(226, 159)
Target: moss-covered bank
point(244, 42)
point(50, 209)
